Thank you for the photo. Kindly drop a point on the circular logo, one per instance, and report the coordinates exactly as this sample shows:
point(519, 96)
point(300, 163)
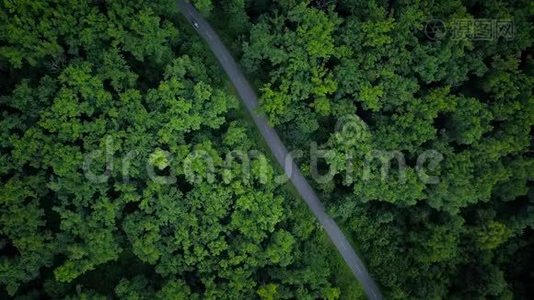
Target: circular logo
point(351, 128)
point(435, 29)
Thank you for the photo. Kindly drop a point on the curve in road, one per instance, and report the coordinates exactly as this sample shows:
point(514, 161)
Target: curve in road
point(249, 98)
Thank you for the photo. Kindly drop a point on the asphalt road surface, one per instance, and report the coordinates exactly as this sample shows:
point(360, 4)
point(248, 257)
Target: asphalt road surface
point(249, 98)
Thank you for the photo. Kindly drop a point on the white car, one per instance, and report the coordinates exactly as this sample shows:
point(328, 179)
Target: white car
point(195, 23)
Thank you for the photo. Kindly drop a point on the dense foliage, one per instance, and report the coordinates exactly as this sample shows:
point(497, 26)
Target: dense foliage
point(116, 124)
point(103, 104)
point(409, 90)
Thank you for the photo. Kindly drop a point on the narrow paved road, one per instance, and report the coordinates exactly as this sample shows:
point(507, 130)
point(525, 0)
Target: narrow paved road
point(249, 98)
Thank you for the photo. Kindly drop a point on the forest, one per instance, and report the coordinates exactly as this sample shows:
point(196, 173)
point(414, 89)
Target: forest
point(129, 168)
